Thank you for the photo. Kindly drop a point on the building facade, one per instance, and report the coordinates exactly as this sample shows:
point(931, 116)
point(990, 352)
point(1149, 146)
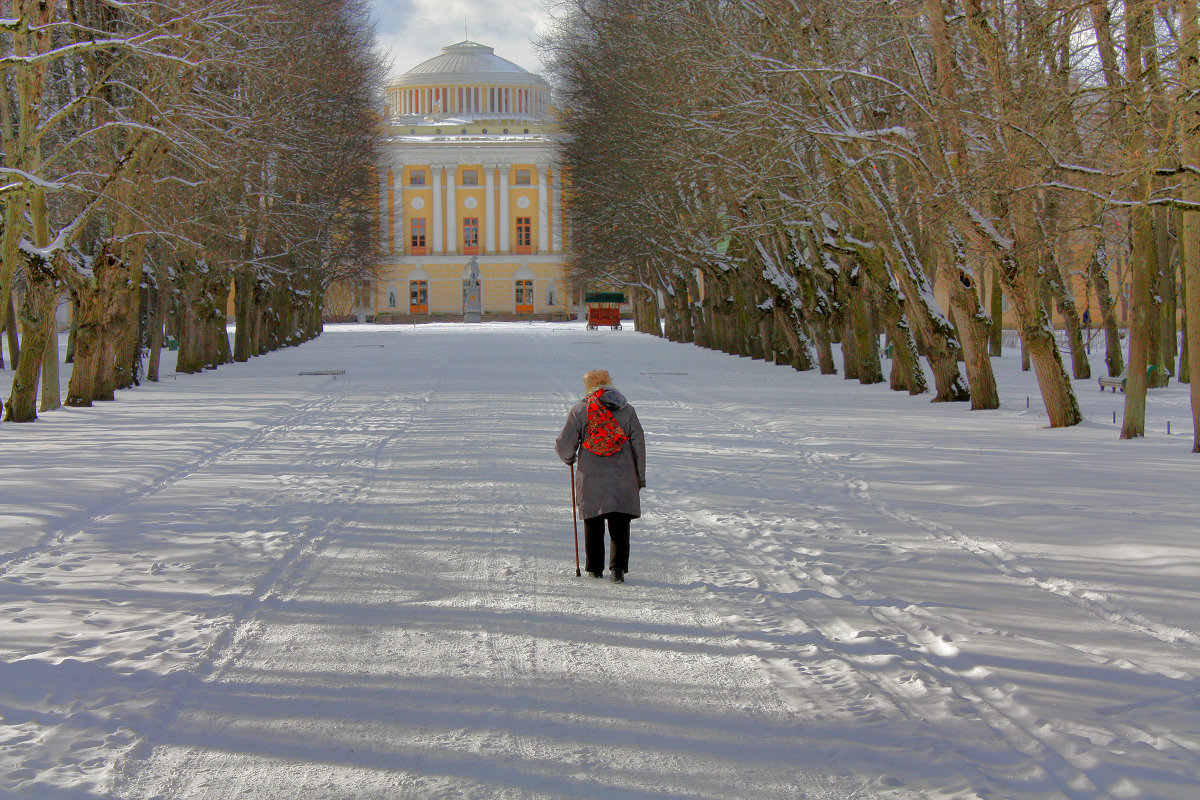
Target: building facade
point(469, 173)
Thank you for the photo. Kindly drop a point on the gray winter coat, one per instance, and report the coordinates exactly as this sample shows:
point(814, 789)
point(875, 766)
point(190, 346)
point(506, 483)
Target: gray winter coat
point(604, 484)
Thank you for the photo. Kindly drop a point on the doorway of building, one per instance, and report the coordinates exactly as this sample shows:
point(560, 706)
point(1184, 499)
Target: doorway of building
point(524, 297)
point(418, 297)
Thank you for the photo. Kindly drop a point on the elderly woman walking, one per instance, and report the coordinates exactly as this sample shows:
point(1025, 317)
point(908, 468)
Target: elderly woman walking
point(604, 436)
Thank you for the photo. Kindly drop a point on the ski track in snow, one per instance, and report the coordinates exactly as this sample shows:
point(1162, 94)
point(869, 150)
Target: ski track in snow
point(907, 666)
point(366, 592)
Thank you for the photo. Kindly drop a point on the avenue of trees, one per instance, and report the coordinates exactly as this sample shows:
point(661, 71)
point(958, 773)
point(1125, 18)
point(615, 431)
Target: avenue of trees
point(157, 153)
point(778, 178)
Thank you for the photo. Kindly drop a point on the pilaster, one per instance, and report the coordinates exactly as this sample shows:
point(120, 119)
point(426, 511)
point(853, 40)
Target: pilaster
point(452, 232)
point(543, 243)
point(505, 222)
point(436, 172)
point(489, 207)
point(557, 244)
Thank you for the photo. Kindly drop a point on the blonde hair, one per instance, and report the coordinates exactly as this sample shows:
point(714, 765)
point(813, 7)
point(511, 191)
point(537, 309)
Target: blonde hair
point(596, 378)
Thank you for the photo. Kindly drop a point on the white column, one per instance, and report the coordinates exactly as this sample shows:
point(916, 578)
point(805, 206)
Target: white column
point(489, 207)
point(436, 172)
point(543, 244)
point(504, 220)
point(452, 233)
point(557, 243)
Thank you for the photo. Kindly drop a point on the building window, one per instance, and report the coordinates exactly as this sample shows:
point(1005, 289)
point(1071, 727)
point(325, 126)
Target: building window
point(524, 297)
point(418, 297)
point(417, 241)
point(524, 235)
point(470, 176)
point(524, 177)
point(416, 177)
point(470, 235)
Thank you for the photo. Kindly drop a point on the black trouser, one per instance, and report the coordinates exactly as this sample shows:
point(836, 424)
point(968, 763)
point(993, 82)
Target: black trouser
point(593, 542)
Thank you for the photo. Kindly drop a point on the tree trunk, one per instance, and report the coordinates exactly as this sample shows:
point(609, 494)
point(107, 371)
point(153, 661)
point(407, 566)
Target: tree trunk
point(1190, 134)
point(1168, 334)
point(906, 373)
point(938, 333)
point(81, 389)
point(766, 337)
point(103, 301)
point(1039, 343)
point(190, 358)
point(850, 361)
point(866, 345)
point(1114, 357)
point(70, 357)
point(975, 330)
point(996, 334)
point(1134, 424)
point(216, 340)
point(51, 391)
point(825, 360)
point(126, 328)
point(37, 322)
point(695, 316)
point(683, 309)
point(793, 333)
point(1185, 375)
point(1142, 258)
point(159, 296)
point(258, 337)
point(10, 328)
point(1064, 300)
point(635, 303)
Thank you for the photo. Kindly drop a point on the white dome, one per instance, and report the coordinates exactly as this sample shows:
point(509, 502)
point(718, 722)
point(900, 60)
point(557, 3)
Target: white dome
point(468, 63)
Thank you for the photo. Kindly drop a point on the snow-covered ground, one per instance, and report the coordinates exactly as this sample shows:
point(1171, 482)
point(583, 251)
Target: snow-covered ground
point(254, 583)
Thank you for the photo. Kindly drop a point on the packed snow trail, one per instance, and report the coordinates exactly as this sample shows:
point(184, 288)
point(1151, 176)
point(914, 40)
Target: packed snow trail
point(363, 586)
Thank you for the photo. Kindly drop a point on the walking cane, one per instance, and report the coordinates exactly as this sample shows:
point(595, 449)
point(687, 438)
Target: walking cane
point(575, 520)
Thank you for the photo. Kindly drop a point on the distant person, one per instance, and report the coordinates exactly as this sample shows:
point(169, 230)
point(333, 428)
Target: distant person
point(604, 436)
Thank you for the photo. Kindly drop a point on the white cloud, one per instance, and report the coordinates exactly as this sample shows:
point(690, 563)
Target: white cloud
point(411, 31)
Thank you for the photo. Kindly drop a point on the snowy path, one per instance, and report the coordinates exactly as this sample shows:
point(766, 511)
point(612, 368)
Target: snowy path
point(364, 587)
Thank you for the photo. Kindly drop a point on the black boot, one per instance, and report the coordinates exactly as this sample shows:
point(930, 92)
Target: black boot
point(617, 576)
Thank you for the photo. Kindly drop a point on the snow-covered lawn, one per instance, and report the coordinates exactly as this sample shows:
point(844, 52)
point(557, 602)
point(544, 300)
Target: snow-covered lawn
point(259, 584)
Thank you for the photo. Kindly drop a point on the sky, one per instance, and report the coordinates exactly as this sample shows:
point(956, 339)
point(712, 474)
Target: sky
point(411, 31)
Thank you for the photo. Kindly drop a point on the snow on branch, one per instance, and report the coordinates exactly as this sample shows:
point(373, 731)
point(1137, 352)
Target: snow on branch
point(28, 178)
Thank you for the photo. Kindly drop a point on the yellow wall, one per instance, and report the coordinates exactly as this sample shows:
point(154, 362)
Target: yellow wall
point(498, 288)
point(455, 245)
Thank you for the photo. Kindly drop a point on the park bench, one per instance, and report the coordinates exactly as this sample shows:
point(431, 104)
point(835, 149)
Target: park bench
point(1119, 381)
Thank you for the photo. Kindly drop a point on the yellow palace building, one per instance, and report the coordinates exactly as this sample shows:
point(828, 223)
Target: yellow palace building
point(469, 184)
